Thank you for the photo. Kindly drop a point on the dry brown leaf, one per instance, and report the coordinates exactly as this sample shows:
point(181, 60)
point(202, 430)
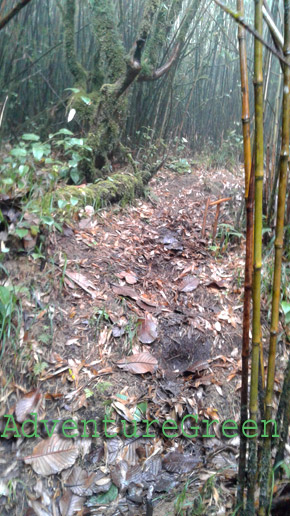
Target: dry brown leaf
point(129, 276)
point(147, 330)
point(82, 282)
point(52, 455)
point(29, 403)
point(70, 503)
point(189, 284)
point(145, 298)
point(125, 291)
point(81, 482)
point(216, 284)
point(122, 410)
point(176, 462)
point(139, 364)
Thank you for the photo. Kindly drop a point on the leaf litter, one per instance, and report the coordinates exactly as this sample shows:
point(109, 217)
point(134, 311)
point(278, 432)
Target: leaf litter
point(144, 327)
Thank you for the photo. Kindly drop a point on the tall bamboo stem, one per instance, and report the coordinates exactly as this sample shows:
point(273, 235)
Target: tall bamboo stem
point(249, 252)
point(259, 173)
point(283, 167)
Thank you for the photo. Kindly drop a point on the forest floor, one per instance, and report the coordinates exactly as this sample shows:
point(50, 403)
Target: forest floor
point(135, 315)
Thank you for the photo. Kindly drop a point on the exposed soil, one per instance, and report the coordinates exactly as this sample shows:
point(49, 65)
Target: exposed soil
point(149, 282)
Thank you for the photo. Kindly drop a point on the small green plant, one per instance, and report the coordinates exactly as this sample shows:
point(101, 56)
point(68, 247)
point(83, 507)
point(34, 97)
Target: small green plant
point(227, 233)
point(103, 387)
point(131, 330)
point(188, 503)
point(181, 166)
point(8, 311)
point(100, 314)
point(39, 367)
point(44, 337)
point(88, 393)
point(73, 151)
point(286, 311)
point(19, 168)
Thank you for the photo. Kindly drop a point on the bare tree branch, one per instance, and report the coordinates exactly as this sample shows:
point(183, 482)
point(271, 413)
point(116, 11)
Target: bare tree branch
point(13, 13)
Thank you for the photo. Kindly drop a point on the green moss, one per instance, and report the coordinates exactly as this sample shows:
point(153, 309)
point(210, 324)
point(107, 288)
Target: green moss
point(75, 67)
point(121, 187)
point(156, 41)
point(80, 102)
point(104, 135)
point(112, 52)
point(151, 7)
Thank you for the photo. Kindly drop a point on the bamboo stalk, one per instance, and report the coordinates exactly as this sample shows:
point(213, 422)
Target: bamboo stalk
point(259, 173)
point(274, 176)
point(248, 285)
point(249, 190)
point(283, 168)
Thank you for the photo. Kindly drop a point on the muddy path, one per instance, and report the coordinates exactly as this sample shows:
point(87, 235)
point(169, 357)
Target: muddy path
point(131, 314)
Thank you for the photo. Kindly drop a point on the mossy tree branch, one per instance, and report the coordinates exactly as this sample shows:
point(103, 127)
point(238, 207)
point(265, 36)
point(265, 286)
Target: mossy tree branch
point(76, 69)
point(14, 11)
point(112, 52)
point(149, 71)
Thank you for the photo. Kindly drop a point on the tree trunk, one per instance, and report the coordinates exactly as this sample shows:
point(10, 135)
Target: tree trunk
point(103, 110)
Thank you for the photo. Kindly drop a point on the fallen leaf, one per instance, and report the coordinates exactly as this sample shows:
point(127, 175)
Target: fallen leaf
point(189, 284)
point(125, 291)
point(176, 462)
point(29, 403)
point(147, 330)
point(81, 482)
point(52, 455)
point(216, 284)
point(70, 503)
point(129, 276)
point(104, 498)
point(82, 282)
point(117, 331)
point(139, 364)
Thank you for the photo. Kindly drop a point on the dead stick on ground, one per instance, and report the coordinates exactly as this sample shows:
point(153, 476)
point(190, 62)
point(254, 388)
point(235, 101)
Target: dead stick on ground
point(214, 227)
point(204, 217)
point(217, 204)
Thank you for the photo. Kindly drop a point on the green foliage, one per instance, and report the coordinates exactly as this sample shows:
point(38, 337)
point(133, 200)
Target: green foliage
point(197, 504)
point(227, 233)
point(33, 166)
point(71, 147)
point(286, 310)
point(103, 387)
point(39, 367)
point(8, 311)
point(181, 166)
point(104, 498)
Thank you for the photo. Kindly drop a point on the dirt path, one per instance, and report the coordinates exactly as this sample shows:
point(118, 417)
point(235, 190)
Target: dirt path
point(139, 280)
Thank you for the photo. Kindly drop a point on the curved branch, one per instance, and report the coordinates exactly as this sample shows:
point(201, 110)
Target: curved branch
point(159, 72)
point(13, 13)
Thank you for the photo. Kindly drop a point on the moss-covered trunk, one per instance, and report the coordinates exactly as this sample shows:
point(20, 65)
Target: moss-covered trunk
point(103, 111)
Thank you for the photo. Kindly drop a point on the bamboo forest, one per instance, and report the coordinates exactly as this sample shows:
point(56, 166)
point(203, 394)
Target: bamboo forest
point(144, 257)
